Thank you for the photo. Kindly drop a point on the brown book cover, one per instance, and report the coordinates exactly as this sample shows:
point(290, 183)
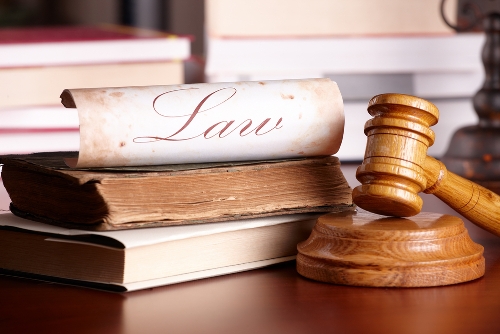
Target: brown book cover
point(43, 188)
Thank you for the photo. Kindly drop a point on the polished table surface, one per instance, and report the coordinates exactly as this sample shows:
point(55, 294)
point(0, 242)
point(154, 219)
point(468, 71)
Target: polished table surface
point(269, 300)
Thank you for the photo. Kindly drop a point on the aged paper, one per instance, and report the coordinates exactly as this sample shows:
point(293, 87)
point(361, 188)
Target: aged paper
point(134, 126)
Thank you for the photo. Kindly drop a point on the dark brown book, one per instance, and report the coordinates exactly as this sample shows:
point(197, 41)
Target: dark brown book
point(42, 188)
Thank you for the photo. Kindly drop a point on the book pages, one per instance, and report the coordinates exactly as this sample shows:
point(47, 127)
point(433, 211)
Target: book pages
point(147, 284)
point(134, 286)
point(149, 236)
point(214, 122)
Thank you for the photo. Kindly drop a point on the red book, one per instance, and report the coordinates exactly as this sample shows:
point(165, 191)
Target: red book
point(42, 46)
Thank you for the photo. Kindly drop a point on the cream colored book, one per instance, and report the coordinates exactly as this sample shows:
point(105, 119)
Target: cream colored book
point(36, 86)
point(298, 18)
point(144, 258)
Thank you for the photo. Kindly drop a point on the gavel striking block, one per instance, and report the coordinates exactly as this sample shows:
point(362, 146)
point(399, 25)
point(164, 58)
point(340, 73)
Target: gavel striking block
point(427, 249)
point(396, 166)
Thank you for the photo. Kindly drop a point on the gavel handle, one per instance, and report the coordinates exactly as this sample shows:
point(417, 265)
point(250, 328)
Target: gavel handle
point(478, 204)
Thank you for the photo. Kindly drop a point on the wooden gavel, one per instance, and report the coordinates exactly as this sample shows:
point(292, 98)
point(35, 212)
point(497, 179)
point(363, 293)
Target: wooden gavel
point(396, 166)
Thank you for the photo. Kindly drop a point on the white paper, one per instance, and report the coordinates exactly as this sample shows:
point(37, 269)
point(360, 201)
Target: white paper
point(132, 126)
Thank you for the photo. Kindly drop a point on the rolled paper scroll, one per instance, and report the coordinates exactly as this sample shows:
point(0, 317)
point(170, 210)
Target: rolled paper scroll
point(209, 122)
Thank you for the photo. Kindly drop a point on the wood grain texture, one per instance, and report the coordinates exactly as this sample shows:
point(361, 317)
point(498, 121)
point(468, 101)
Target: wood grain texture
point(396, 166)
point(476, 203)
point(365, 249)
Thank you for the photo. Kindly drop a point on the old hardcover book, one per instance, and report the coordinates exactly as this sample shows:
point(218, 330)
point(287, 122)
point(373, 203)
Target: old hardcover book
point(144, 258)
point(43, 188)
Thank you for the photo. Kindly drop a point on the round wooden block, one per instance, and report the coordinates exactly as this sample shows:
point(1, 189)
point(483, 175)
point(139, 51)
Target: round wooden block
point(365, 249)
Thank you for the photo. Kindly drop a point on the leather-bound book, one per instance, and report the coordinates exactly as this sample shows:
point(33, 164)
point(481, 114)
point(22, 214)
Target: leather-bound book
point(44, 189)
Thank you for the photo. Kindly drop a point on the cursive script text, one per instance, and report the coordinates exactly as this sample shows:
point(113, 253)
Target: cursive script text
point(221, 129)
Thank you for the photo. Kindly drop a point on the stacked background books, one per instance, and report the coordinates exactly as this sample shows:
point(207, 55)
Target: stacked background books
point(367, 47)
point(36, 64)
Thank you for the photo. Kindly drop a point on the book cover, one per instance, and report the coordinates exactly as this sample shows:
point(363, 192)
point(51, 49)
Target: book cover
point(50, 46)
point(148, 196)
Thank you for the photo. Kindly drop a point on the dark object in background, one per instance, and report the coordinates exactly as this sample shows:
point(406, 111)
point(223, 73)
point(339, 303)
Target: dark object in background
point(474, 151)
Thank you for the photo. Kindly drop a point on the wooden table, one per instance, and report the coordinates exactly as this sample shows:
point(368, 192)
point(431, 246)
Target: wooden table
point(269, 300)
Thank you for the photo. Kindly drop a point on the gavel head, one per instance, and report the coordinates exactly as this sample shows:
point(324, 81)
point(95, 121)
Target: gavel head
point(398, 137)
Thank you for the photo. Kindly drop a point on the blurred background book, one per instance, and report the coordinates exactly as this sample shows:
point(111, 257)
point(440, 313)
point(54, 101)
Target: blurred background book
point(38, 62)
point(367, 47)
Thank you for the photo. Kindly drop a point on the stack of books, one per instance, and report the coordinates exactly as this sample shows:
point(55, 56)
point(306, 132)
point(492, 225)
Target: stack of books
point(121, 225)
point(36, 64)
point(368, 47)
